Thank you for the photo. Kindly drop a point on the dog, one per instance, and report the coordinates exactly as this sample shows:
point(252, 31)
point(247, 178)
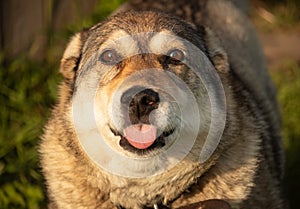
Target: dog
point(165, 104)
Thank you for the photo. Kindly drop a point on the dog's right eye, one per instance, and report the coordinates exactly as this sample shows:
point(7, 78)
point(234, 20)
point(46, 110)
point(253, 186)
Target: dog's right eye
point(109, 57)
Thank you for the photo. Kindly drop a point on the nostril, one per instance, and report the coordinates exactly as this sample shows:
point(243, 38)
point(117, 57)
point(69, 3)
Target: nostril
point(147, 101)
point(148, 97)
point(140, 103)
point(140, 96)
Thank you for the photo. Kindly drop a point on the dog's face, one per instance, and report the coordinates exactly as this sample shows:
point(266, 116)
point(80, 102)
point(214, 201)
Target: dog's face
point(145, 95)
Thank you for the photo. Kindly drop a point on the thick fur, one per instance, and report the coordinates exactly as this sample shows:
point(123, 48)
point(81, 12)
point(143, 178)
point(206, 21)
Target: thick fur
point(245, 170)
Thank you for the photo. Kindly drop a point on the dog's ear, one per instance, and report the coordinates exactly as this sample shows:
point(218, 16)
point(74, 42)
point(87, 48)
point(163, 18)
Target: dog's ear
point(216, 52)
point(71, 57)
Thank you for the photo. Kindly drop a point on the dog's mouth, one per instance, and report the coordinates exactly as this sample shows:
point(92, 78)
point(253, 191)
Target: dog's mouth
point(142, 138)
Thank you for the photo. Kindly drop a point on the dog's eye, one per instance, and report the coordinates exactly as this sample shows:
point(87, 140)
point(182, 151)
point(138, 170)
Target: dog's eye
point(109, 57)
point(176, 55)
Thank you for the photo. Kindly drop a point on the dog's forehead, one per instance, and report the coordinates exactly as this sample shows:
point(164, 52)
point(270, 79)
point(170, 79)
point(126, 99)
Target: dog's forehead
point(143, 42)
point(136, 22)
point(141, 22)
point(146, 32)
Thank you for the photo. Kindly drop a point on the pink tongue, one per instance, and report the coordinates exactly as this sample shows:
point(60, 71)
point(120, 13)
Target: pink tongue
point(141, 136)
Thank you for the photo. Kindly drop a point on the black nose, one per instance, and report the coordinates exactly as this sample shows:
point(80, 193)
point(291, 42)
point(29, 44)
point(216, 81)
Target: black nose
point(140, 104)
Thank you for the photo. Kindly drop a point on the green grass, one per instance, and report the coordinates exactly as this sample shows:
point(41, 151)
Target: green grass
point(287, 80)
point(286, 11)
point(270, 15)
point(28, 89)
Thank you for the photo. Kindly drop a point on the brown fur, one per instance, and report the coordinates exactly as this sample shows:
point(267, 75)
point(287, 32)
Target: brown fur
point(246, 168)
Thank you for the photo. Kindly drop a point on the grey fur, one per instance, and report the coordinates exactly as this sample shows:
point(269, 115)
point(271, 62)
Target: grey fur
point(245, 170)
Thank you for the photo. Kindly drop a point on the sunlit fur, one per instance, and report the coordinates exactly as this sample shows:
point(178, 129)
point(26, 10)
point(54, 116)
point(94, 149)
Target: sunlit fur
point(246, 168)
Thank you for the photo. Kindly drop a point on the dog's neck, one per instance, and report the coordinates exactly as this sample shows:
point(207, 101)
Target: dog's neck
point(155, 206)
point(210, 204)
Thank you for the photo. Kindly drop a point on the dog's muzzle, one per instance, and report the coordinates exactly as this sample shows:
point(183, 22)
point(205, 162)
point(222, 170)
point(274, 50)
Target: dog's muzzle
point(142, 132)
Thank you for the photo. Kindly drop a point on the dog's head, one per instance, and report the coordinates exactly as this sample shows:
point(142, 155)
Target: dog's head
point(145, 92)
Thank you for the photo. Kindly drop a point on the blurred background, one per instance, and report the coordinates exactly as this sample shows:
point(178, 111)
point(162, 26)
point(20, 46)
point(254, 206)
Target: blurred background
point(33, 35)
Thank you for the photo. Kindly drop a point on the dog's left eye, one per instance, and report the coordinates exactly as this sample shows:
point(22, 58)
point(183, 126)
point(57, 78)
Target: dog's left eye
point(109, 57)
point(176, 54)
